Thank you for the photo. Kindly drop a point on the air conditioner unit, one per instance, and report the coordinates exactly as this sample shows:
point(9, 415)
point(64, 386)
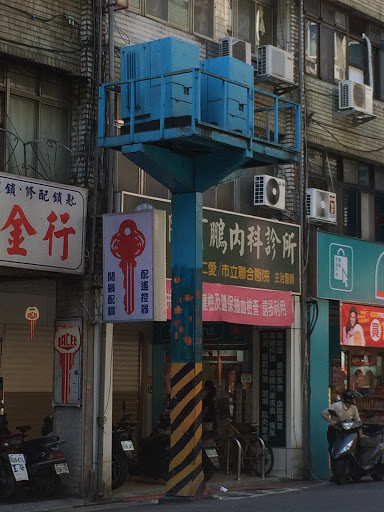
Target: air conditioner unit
point(355, 97)
point(269, 191)
point(232, 47)
point(321, 205)
point(275, 63)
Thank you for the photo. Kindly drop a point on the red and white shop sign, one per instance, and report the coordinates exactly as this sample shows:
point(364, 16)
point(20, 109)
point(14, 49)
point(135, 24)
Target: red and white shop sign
point(32, 314)
point(42, 224)
point(235, 304)
point(361, 326)
point(67, 363)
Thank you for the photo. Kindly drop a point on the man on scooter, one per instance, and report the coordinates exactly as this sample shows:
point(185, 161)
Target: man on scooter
point(345, 410)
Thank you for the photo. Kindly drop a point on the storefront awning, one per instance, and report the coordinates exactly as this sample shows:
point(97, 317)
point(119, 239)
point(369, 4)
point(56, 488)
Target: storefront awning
point(235, 304)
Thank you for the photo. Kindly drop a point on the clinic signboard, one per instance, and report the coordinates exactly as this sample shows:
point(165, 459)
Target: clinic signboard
point(349, 270)
point(239, 250)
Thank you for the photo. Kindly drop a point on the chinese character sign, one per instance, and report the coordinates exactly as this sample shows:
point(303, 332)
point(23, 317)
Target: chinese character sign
point(134, 267)
point(239, 250)
point(361, 326)
point(42, 225)
point(67, 362)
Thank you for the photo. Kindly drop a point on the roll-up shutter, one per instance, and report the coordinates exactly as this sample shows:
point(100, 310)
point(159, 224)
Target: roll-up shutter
point(27, 370)
point(126, 372)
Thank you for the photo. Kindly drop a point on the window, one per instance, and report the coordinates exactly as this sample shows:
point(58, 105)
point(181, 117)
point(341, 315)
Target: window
point(253, 22)
point(379, 218)
point(181, 13)
point(348, 57)
point(311, 48)
point(351, 212)
point(34, 124)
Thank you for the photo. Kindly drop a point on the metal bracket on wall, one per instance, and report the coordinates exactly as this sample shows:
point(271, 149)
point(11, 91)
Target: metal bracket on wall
point(358, 117)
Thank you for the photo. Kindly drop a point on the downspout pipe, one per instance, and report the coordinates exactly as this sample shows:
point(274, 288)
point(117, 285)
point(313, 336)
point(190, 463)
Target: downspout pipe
point(370, 70)
point(304, 227)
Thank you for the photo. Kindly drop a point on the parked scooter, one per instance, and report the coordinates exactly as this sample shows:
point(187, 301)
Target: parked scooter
point(45, 462)
point(153, 456)
point(355, 457)
point(122, 450)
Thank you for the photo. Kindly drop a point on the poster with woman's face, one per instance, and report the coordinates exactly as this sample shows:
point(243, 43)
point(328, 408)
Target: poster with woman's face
point(361, 326)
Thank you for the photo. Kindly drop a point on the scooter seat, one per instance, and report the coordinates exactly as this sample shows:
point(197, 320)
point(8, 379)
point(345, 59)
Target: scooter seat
point(371, 441)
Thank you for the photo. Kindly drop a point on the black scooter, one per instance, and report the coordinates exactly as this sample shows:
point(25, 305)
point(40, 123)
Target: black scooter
point(122, 450)
point(356, 457)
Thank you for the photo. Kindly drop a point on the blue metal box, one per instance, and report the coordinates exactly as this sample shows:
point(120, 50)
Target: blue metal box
point(154, 59)
point(226, 104)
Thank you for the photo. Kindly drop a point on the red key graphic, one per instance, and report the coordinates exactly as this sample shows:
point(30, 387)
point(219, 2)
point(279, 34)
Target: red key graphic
point(67, 343)
point(126, 245)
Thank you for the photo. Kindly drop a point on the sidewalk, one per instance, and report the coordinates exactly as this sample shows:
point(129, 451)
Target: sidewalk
point(145, 490)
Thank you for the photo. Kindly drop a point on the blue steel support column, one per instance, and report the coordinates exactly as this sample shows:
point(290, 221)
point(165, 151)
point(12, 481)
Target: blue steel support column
point(185, 478)
point(318, 392)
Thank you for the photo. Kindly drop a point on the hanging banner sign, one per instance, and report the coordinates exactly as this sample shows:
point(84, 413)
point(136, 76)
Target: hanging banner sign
point(18, 465)
point(67, 362)
point(134, 266)
point(361, 326)
point(235, 304)
point(32, 314)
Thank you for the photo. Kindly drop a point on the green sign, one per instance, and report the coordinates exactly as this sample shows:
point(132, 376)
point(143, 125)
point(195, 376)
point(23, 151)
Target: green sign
point(349, 269)
point(240, 250)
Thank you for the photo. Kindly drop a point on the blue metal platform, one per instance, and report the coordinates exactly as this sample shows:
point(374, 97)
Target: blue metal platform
point(276, 119)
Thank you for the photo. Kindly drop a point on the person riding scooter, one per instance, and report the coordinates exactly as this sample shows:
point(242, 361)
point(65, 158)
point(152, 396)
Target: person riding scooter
point(345, 410)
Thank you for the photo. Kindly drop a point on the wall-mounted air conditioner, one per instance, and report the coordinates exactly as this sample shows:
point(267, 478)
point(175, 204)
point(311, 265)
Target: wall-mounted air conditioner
point(269, 191)
point(232, 47)
point(321, 205)
point(274, 63)
point(355, 97)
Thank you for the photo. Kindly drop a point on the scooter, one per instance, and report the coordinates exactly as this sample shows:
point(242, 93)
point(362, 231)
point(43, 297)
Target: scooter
point(356, 457)
point(122, 450)
point(44, 461)
point(210, 457)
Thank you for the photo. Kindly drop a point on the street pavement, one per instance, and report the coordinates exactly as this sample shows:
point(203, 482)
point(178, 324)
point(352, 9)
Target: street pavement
point(226, 494)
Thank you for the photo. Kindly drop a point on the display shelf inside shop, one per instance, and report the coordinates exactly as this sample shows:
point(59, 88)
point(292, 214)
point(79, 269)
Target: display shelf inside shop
point(374, 403)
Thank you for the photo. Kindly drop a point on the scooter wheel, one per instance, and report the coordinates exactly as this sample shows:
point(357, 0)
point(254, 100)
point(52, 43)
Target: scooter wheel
point(377, 476)
point(339, 468)
point(119, 469)
point(46, 485)
point(7, 482)
point(208, 467)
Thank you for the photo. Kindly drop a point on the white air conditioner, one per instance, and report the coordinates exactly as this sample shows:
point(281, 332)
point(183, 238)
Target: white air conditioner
point(321, 205)
point(232, 47)
point(275, 63)
point(269, 191)
point(355, 97)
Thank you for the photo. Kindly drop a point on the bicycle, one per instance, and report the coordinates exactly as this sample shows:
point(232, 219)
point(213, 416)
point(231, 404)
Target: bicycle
point(252, 449)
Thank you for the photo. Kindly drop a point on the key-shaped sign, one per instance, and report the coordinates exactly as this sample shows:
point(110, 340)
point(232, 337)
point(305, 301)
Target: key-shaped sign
point(126, 245)
point(67, 343)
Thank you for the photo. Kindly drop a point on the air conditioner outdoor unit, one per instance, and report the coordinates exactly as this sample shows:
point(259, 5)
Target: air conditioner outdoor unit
point(321, 205)
point(355, 97)
point(232, 47)
point(269, 191)
point(275, 63)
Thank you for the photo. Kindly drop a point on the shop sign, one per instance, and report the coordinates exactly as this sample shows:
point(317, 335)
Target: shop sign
point(42, 225)
point(134, 267)
point(239, 250)
point(225, 303)
point(361, 326)
point(272, 387)
point(67, 362)
point(349, 269)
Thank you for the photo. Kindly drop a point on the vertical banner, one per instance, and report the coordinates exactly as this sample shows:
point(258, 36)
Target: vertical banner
point(134, 267)
point(272, 386)
point(67, 362)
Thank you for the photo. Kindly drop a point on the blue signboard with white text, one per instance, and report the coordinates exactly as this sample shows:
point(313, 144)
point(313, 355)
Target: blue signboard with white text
point(349, 269)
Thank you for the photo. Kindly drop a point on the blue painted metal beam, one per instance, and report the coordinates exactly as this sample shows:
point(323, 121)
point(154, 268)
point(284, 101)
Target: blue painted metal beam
point(182, 174)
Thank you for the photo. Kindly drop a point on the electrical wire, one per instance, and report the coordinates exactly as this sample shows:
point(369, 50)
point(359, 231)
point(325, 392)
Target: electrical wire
point(34, 16)
point(36, 47)
point(374, 150)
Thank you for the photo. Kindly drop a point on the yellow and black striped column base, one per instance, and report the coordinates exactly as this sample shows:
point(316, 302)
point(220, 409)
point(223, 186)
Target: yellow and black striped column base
point(185, 477)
